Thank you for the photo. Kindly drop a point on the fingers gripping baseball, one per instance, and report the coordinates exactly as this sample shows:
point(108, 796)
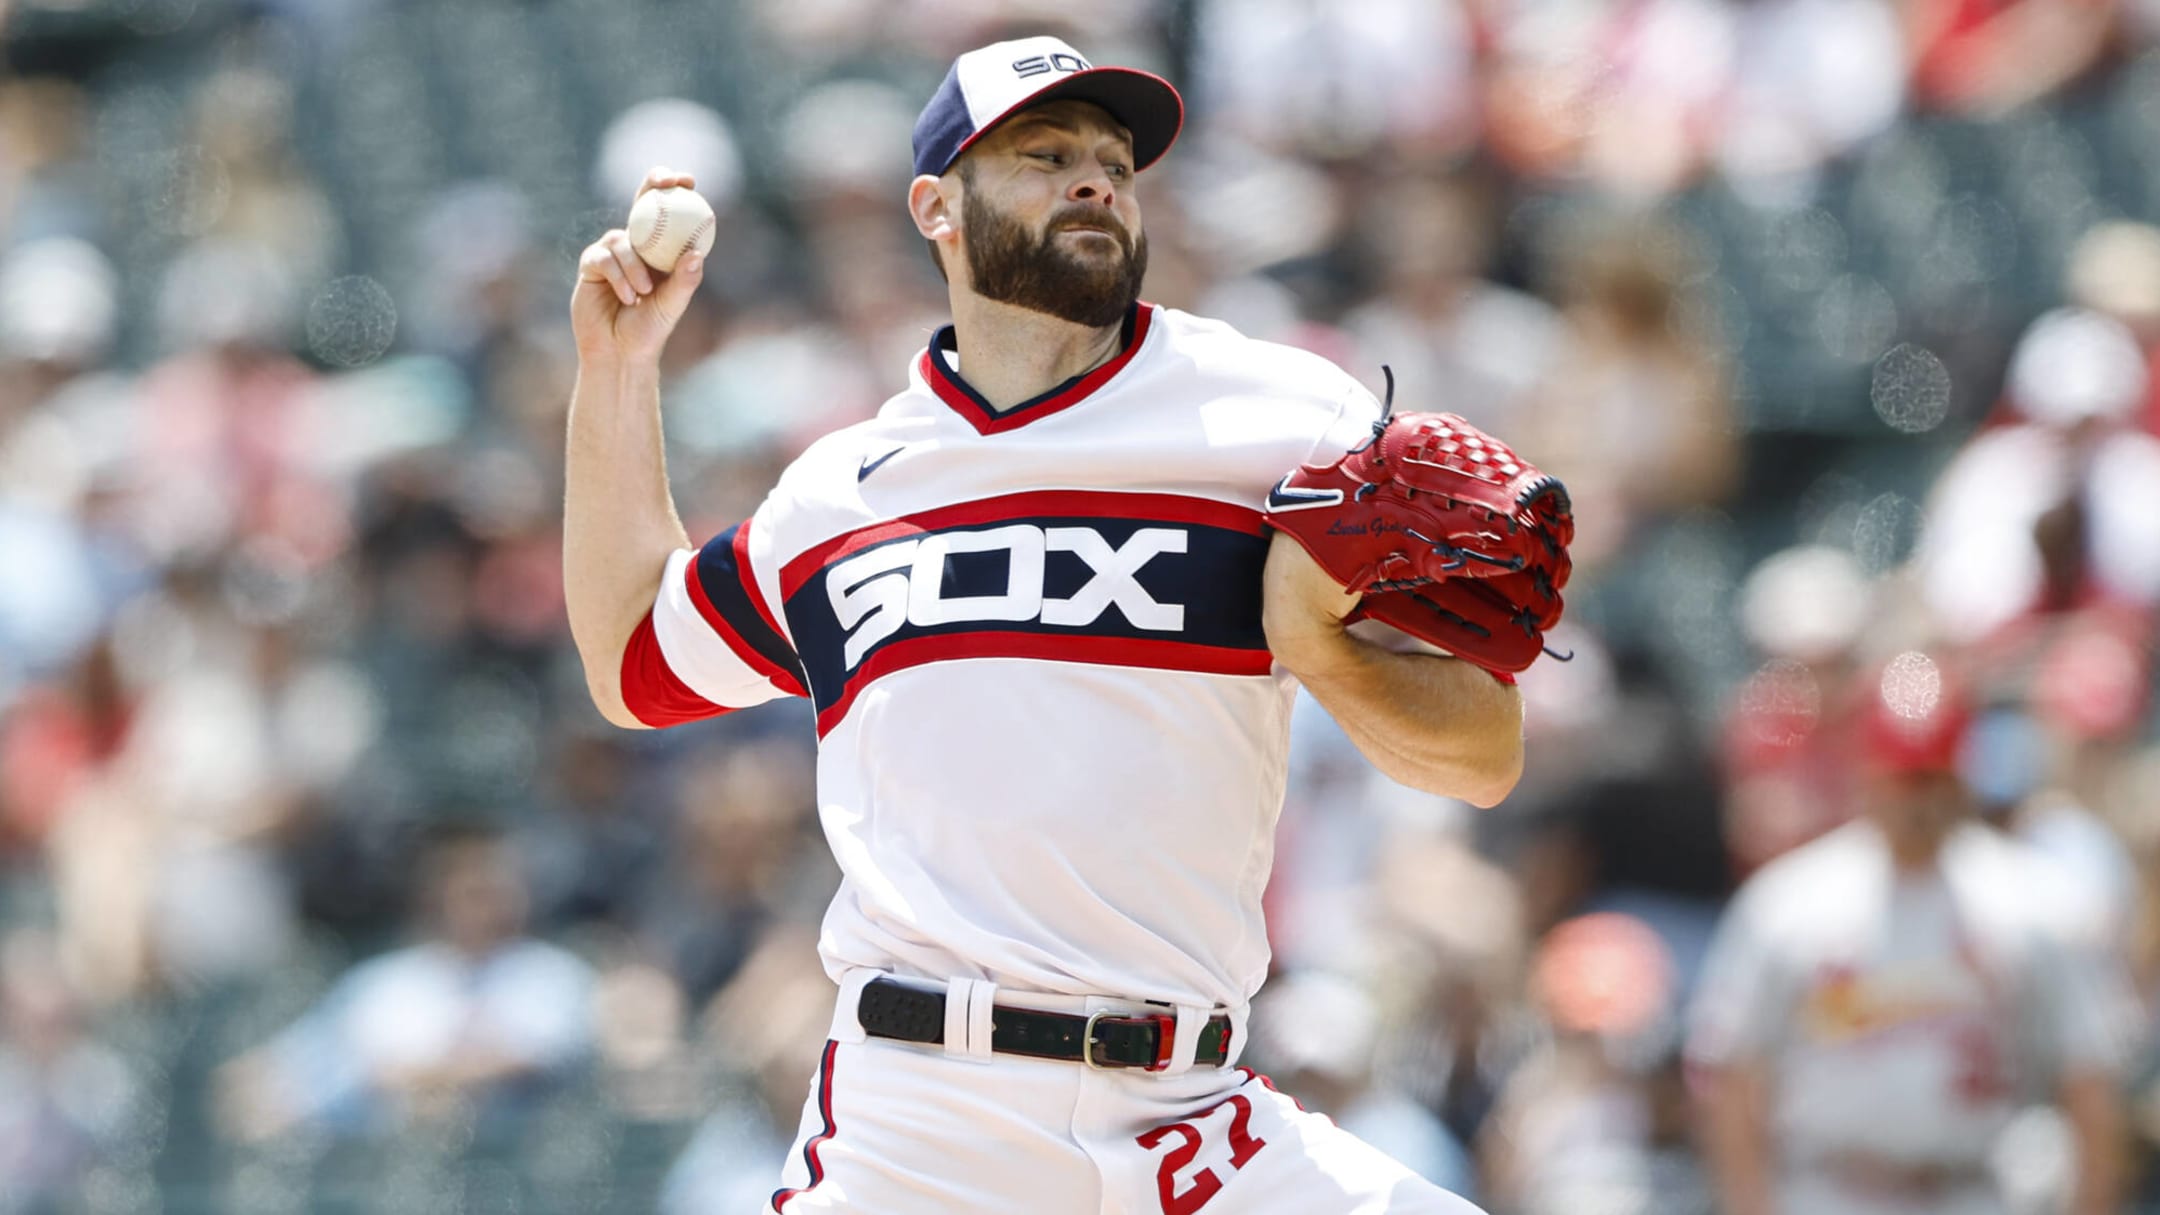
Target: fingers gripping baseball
point(622, 307)
point(611, 260)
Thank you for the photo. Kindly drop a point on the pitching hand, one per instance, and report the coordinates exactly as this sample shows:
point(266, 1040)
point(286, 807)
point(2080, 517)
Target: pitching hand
point(623, 308)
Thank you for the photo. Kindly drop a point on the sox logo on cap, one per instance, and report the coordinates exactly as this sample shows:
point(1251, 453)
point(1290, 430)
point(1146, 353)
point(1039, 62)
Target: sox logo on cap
point(989, 85)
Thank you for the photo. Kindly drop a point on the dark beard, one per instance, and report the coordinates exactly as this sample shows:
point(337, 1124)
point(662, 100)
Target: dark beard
point(1009, 265)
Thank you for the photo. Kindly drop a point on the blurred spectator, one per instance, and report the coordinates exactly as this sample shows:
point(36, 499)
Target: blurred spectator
point(1456, 341)
point(2114, 270)
point(591, 849)
point(1332, 81)
point(464, 1025)
point(648, 1070)
point(760, 1031)
point(2058, 509)
point(1990, 56)
point(1317, 1034)
point(1812, 80)
point(278, 555)
point(1880, 1002)
point(2138, 793)
point(2042, 784)
point(62, 733)
point(239, 179)
point(68, 1104)
point(59, 309)
point(684, 135)
point(744, 814)
point(44, 151)
point(224, 446)
point(1596, 1120)
point(1626, 96)
point(195, 750)
point(1788, 736)
point(1634, 414)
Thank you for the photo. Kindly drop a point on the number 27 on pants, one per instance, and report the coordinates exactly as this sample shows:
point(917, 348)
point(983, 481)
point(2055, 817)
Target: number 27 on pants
point(1205, 1184)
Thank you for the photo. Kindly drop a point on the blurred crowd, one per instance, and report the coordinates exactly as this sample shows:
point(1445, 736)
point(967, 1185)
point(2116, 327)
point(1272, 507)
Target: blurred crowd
point(323, 887)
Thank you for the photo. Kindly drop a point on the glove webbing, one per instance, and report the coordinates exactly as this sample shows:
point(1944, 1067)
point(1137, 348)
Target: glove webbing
point(1457, 556)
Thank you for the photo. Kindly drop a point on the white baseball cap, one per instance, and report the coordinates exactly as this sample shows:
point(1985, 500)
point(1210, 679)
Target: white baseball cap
point(990, 84)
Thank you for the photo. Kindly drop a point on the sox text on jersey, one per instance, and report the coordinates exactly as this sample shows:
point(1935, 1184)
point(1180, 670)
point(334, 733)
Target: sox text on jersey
point(1051, 739)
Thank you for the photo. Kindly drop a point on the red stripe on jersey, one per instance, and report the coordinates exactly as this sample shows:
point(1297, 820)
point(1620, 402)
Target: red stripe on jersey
point(1053, 647)
point(810, 1149)
point(1035, 504)
point(652, 691)
point(780, 677)
point(985, 421)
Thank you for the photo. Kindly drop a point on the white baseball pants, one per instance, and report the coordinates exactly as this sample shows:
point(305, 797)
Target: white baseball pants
point(894, 1128)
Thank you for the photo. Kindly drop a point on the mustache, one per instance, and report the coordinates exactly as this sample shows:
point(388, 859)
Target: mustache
point(1073, 218)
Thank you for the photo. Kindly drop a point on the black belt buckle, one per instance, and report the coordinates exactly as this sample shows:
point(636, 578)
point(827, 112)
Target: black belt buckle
point(1165, 1042)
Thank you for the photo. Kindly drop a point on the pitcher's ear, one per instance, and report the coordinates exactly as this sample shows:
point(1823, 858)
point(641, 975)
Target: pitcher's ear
point(934, 202)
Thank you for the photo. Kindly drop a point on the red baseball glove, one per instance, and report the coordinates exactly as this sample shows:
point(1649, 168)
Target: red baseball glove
point(1449, 536)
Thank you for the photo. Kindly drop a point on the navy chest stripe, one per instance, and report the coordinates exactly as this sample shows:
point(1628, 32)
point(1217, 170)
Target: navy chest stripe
point(1121, 589)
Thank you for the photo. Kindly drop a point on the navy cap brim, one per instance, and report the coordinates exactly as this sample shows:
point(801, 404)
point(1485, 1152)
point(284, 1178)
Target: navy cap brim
point(1142, 102)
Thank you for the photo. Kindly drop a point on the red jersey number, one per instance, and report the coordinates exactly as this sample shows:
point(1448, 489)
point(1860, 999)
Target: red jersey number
point(1205, 1184)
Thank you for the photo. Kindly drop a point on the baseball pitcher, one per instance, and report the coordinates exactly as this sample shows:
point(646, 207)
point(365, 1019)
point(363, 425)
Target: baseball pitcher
point(1051, 642)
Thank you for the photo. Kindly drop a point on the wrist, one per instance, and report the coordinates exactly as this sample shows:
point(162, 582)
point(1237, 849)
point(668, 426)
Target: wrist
point(617, 363)
point(620, 377)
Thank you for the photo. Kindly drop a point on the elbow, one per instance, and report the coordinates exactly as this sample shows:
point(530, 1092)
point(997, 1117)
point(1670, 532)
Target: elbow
point(617, 715)
point(1482, 775)
point(1491, 785)
point(605, 688)
point(1498, 766)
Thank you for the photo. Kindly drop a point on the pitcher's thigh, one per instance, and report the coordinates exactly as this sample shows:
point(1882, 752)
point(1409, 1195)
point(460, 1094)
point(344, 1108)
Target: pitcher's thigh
point(890, 1130)
point(1254, 1152)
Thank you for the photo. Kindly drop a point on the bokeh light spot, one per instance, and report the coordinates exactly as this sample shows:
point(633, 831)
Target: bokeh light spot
point(1911, 389)
point(1886, 531)
point(1911, 686)
point(351, 321)
point(1855, 319)
point(1781, 702)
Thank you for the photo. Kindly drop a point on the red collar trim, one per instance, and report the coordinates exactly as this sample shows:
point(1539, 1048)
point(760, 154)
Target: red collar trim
point(964, 400)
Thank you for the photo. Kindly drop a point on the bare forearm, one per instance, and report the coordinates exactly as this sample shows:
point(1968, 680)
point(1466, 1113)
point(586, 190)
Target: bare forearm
point(1736, 1138)
point(1432, 723)
point(2091, 1107)
point(619, 521)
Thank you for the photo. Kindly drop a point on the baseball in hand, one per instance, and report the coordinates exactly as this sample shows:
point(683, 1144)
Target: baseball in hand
point(665, 224)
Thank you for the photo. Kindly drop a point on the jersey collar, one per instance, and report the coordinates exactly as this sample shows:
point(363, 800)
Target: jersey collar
point(965, 401)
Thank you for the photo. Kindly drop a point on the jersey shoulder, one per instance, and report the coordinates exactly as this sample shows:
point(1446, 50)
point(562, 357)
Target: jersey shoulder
point(819, 491)
point(1217, 349)
point(1834, 870)
point(834, 460)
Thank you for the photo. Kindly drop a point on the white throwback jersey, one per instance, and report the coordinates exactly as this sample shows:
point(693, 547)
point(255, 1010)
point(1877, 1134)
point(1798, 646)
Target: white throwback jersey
point(1904, 1016)
point(1052, 743)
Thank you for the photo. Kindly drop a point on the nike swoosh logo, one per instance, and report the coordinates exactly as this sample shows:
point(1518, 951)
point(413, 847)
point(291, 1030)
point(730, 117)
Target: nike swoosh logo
point(1283, 497)
point(870, 466)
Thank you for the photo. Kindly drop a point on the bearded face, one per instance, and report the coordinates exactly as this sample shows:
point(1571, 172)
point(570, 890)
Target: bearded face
point(1079, 279)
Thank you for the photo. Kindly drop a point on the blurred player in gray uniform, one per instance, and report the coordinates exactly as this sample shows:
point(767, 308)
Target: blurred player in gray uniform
point(1880, 1003)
